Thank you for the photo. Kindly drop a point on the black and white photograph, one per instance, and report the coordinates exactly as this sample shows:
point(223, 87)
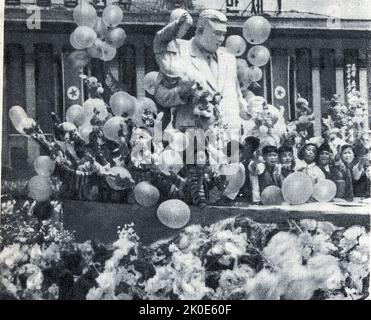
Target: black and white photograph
point(198, 150)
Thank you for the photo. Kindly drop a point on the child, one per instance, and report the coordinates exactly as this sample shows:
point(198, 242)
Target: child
point(271, 175)
point(286, 155)
point(307, 162)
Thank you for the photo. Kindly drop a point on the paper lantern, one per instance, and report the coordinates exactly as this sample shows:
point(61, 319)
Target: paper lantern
point(170, 161)
point(272, 195)
point(85, 131)
point(122, 104)
point(74, 43)
point(297, 188)
point(112, 16)
point(17, 115)
point(235, 45)
point(101, 29)
point(79, 59)
point(44, 166)
point(84, 36)
point(174, 213)
point(258, 56)
point(85, 14)
point(108, 52)
point(119, 178)
point(255, 74)
point(150, 82)
point(256, 29)
point(324, 190)
point(146, 194)
point(75, 115)
point(112, 127)
point(95, 104)
point(116, 37)
point(40, 188)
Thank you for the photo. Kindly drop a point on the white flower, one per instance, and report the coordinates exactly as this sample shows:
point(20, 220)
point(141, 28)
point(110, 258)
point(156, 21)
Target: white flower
point(13, 254)
point(35, 253)
point(308, 224)
point(354, 232)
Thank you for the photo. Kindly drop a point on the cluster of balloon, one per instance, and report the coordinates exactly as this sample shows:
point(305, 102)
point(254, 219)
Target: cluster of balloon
point(146, 194)
point(174, 213)
point(297, 188)
point(272, 195)
point(256, 30)
point(324, 190)
point(150, 82)
point(40, 186)
point(95, 37)
point(95, 104)
point(119, 178)
point(20, 119)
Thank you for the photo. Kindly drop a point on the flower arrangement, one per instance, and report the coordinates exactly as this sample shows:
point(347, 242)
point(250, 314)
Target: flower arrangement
point(235, 258)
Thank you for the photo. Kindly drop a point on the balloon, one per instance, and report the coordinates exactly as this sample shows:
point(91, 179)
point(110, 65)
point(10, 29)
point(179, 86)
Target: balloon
point(85, 131)
point(256, 29)
point(122, 104)
point(84, 36)
point(112, 127)
point(258, 56)
point(112, 16)
point(95, 104)
point(26, 124)
point(324, 190)
point(116, 37)
point(297, 188)
point(44, 166)
point(124, 180)
point(145, 103)
point(176, 14)
point(178, 141)
point(96, 50)
point(108, 52)
point(170, 161)
point(85, 14)
point(75, 115)
point(74, 43)
point(79, 59)
point(235, 45)
point(146, 194)
point(174, 213)
point(101, 29)
point(16, 115)
point(255, 74)
point(272, 195)
point(40, 188)
point(150, 82)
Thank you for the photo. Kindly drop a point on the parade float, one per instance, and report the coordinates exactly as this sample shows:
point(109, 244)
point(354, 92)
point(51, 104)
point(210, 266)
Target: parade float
point(115, 213)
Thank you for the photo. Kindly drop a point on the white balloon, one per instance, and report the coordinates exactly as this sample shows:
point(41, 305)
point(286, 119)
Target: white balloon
point(17, 115)
point(44, 166)
point(174, 213)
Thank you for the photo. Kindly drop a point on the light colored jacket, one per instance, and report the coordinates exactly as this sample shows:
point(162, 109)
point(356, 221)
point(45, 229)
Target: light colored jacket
point(226, 83)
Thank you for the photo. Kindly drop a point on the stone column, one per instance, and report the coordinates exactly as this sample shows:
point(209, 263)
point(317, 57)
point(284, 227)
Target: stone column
point(339, 73)
point(316, 87)
point(140, 68)
point(363, 77)
point(33, 150)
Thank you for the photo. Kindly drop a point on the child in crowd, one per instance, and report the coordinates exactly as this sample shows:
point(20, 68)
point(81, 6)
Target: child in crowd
point(334, 170)
point(271, 175)
point(287, 160)
point(307, 162)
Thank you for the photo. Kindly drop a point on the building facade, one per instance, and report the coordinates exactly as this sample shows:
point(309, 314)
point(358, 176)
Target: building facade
point(310, 54)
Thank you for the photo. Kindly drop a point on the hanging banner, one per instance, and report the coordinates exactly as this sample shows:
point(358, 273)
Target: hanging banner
point(280, 80)
point(73, 88)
